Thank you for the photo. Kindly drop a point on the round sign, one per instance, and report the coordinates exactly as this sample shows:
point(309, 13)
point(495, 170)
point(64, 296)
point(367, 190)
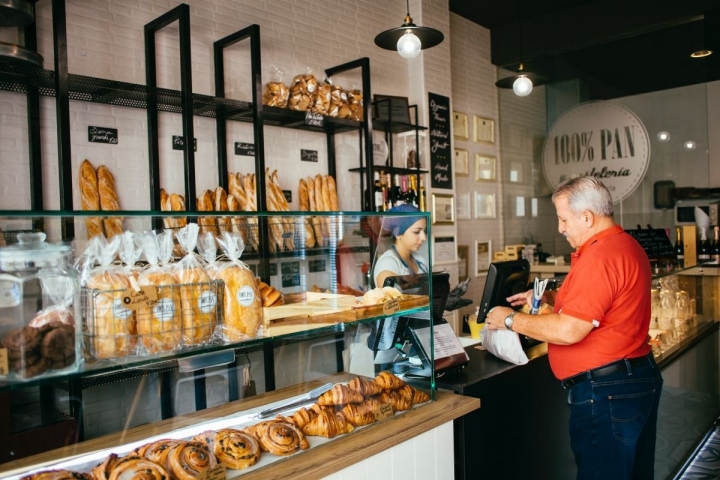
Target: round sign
point(380, 149)
point(602, 139)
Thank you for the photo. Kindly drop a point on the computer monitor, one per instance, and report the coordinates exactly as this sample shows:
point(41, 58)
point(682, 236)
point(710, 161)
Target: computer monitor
point(504, 279)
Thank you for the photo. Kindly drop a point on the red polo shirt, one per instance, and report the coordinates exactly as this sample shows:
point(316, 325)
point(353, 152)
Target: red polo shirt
point(609, 285)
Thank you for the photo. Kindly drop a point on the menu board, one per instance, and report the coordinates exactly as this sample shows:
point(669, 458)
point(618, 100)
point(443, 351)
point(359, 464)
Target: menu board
point(440, 158)
point(655, 242)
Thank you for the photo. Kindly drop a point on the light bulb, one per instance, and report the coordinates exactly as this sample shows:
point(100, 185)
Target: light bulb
point(522, 86)
point(409, 45)
point(689, 145)
point(663, 136)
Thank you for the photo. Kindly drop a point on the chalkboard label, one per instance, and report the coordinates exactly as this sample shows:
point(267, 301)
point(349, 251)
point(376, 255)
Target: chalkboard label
point(290, 280)
point(273, 269)
point(245, 149)
point(309, 155)
point(314, 119)
point(103, 135)
point(655, 242)
point(290, 267)
point(316, 266)
point(288, 195)
point(179, 142)
point(440, 158)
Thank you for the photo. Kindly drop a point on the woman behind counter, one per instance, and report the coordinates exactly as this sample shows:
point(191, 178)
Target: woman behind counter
point(408, 236)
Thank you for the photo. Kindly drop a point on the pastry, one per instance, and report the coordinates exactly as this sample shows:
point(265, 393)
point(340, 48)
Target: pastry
point(198, 300)
point(328, 424)
point(207, 437)
point(279, 437)
point(376, 296)
point(302, 92)
point(57, 475)
point(177, 204)
point(419, 397)
point(396, 401)
point(302, 417)
point(370, 405)
point(270, 295)
point(242, 306)
point(355, 101)
point(136, 467)
point(220, 204)
point(190, 460)
point(204, 203)
point(102, 470)
point(388, 381)
point(109, 201)
point(275, 95)
point(364, 387)
point(321, 99)
point(159, 328)
point(339, 395)
point(90, 197)
point(157, 451)
point(357, 416)
point(236, 449)
point(237, 224)
point(53, 314)
point(58, 345)
point(111, 326)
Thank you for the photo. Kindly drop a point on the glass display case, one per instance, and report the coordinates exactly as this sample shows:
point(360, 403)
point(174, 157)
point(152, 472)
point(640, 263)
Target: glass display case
point(193, 292)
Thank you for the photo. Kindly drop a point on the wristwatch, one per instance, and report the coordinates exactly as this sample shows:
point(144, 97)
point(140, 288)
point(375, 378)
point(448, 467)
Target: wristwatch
point(509, 320)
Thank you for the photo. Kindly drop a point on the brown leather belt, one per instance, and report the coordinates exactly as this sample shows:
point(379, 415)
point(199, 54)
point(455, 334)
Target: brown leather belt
point(618, 366)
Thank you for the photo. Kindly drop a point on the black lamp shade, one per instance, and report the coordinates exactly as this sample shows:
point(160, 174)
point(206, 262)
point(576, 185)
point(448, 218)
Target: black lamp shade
point(429, 37)
point(507, 82)
point(16, 13)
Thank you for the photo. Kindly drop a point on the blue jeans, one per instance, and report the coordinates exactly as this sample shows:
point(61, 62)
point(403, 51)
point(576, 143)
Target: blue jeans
point(613, 423)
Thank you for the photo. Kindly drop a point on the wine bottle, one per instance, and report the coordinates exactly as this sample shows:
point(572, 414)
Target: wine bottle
point(397, 197)
point(411, 197)
point(704, 250)
point(377, 191)
point(387, 192)
point(421, 200)
point(679, 248)
point(715, 251)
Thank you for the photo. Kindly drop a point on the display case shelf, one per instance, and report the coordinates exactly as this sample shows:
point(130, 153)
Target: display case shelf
point(395, 127)
point(392, 170)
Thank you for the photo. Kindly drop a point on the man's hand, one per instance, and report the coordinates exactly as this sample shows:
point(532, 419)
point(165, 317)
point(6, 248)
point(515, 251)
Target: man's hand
point(521, 298)
point(495, 319)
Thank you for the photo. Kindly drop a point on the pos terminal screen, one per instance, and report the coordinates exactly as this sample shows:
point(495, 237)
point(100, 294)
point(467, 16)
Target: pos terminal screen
point(503, 280)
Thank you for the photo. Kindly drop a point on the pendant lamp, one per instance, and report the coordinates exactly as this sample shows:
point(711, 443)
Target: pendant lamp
point(409, 39)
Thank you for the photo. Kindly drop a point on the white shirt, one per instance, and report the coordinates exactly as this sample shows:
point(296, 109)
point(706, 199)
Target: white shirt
point(391, 261)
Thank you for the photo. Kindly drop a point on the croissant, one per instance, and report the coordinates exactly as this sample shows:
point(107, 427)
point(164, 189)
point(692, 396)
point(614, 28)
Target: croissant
point(366, 388)
point(396, 401)
point(419, 397)
point(279, 437)
point(236, 449)
point(328, 424)
point(134, 466)
point(189, 460)
point(339, 395)
point(388, 381)
point(157, 451)
point(103, 469)
point(302, 417)
point(56, 475)
point(370, 405)
point(357, 416)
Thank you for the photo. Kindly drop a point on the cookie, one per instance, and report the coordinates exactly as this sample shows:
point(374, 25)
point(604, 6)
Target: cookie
point(25, 339)
point(58, 344)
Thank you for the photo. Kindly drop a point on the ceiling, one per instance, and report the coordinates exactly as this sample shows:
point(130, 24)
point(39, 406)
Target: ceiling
point(615, 47)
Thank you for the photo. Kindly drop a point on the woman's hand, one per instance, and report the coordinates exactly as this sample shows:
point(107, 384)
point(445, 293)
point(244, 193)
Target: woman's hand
point(521, 298)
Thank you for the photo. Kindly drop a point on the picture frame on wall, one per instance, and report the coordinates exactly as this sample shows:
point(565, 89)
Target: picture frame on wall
point(462, 207)
point(460, 126)
point(464, 265)
point(483, 256)
point(485, 168)
point(484, 130)
point(443, 209)
point(485, 205)
point(385, 105)
point(444, 249)
point(462, 168)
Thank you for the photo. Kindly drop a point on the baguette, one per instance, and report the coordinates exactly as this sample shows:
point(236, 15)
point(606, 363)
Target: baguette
point(303, 200)
point(177, 204)
point(315, 221)
point(332, 190)
point(90, 197)
point(109, 201)
point(205, 204)
point(322, 207)
point(221, 205)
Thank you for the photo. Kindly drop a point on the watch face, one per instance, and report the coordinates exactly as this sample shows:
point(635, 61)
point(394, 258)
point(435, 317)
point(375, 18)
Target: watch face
point(508, 322)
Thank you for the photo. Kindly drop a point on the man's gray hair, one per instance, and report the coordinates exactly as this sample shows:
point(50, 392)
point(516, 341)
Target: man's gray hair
point(586, 193)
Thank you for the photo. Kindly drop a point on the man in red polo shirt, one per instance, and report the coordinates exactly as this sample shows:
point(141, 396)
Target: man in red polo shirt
point(597, 337)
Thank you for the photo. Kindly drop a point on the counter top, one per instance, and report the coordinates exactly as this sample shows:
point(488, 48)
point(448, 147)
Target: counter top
point(322, 460)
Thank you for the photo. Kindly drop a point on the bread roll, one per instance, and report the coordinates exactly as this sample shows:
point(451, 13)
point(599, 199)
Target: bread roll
point(199, 303)
point(111, 327)
point(160, 327)
point(90, 197)
point(109, 201)
point(242, 307)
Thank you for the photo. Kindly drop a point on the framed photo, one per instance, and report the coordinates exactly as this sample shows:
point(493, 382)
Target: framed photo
point(461, 163)
point(485, 168)
point(385, 106)
point(462, 207)
point(464, 265)
point(444, 249)
point(484, 129)
point(516, 172)
point(443, 209)
point(485, 205)
point(483, 256)
point(460, 126)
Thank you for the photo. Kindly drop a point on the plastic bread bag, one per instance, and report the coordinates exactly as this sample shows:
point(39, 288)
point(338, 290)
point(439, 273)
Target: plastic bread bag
point(321, 100)
point(504, 344)
point(242, 305)
point(339, 105)
point(129, 254)
point(355, 101)
point(111, 327)
point(198, 296)
point(302, 91)
point(276, 92)
point(159, 325)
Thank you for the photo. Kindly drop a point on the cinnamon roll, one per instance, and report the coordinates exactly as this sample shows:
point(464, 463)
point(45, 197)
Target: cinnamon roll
point(207, 437)
point(56, 475)
point(189, 460)
point(103, 469)
point(236, 449)
point(137, 468)
point(278, 437)
point(158, 451)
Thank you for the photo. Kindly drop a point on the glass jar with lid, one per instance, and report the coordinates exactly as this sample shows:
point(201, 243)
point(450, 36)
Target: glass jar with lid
point(39, 324)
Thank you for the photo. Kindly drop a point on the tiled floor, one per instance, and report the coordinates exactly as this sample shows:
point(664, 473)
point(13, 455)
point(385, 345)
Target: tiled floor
point(706, 463)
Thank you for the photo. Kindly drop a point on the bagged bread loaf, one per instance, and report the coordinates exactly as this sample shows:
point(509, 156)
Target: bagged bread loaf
point(321, 100)
point(242, 305)
point(159, 327)
point(339, 105)
point(276, 92)
point(197, 295)
point(111, 327)
point(129, 252)
point(355, 101)
point(302, 92)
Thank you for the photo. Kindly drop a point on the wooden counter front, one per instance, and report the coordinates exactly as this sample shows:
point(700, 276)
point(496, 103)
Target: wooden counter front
point(316, 463)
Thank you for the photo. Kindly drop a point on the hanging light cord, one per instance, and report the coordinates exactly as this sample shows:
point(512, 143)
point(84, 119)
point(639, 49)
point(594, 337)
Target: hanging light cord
point(408, 19)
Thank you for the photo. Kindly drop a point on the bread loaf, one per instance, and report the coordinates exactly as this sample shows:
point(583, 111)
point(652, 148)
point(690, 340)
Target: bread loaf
point(90, 197)
point(160, 328)
point(109, 201)
point(332, 191)
point(111, 327)
point(242, 306)
point(199, 302)
point(221, 205)
point(205, 204)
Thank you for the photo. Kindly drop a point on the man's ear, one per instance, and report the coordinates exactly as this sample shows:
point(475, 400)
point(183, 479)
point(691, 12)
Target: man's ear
point(588, 217)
